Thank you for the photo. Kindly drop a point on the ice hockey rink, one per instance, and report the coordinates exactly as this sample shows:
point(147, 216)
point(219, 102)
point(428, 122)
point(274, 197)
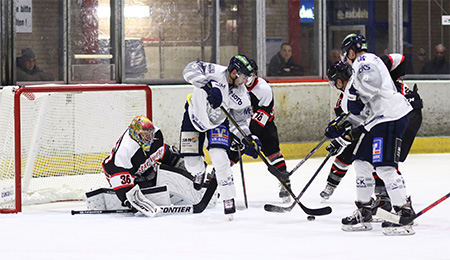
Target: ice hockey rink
point(50, 232)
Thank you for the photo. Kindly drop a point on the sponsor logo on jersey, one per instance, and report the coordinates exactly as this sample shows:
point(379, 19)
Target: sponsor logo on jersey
point(377, 150)
point(363, 68)
point(154, 157)
point(236, 98)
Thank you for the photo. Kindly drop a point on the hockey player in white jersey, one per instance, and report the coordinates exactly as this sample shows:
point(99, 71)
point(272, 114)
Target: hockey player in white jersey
point(371, 93)
point(263, 126)
point(216, 86)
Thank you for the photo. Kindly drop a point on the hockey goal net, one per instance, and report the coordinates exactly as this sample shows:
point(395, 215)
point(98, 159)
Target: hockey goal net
point(54, 139)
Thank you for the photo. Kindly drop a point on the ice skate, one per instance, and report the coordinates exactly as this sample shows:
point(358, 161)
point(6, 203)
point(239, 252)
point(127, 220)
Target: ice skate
point(284, 194)
point(229, 208)
point(383, 202)
point(327, 192)
point(392, 229)
point(360, 220)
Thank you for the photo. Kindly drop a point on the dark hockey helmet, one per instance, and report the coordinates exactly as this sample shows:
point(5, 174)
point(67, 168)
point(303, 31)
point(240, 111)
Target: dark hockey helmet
point(353, 41)
point(242, 64)
point(254, 65)
point(340, 70)
point(142, 131)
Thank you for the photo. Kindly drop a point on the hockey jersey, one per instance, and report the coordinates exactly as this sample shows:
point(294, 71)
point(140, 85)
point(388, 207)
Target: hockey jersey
point(261, 97)
point(373, 84)
point(235, 99)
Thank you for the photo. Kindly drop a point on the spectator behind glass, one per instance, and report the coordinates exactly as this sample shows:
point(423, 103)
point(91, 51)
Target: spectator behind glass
point(282, 64)
point(335, 56)
point(438, 65)
point(407, 52)
point(27, 69)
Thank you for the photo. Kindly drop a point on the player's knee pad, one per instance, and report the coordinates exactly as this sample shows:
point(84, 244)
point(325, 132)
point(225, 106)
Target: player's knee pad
point(365, 182)
point(395, 184)
point(224, 174)
point(194, 164)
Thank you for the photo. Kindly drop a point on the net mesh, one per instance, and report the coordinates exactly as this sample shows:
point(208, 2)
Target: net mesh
point(64, 138)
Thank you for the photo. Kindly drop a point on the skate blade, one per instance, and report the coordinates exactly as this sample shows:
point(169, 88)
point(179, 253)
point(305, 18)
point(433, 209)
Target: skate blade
point(399, 231)
point(230, 217)
point(358, 227)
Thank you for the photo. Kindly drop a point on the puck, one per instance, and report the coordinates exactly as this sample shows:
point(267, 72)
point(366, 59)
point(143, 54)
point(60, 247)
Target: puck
point(311, 218)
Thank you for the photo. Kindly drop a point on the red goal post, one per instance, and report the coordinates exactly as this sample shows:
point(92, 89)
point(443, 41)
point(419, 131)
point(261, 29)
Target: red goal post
point(122, 100)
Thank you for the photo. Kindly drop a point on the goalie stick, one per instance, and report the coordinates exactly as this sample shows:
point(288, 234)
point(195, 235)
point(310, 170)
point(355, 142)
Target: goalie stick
point(166, 210)
point(394, 218)
point(275, 172)
point(280, 209)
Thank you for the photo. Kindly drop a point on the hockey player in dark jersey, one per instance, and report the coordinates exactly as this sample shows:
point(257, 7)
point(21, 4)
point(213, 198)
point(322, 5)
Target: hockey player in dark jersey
point(263, 126)
point(395, 64)
point(132, 163)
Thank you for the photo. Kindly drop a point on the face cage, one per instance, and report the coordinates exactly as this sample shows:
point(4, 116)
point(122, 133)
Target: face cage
point(250, 80)
point(332, 83)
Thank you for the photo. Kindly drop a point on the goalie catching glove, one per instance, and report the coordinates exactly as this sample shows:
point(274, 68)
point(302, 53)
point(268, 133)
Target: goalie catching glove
point(252, 149)
point(214, 94)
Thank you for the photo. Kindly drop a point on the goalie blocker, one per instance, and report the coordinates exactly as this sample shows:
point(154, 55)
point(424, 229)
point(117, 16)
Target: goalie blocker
point(173, 189)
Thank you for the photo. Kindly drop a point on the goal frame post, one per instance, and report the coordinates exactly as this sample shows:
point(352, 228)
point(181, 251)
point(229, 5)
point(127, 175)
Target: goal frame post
point(51, 89)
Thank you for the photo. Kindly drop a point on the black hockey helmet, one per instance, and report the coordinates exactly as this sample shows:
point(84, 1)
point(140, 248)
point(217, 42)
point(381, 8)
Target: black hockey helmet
point(242, 64)
point(254, 65)
point(340, 70)
point(353, 41)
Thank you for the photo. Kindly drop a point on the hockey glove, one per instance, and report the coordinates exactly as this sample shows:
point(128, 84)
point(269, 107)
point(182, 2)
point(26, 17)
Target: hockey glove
point(337, 146)
point(337, 128)
point(355, 105)
point(214, 94)
point(414, 99)
point(254, 147)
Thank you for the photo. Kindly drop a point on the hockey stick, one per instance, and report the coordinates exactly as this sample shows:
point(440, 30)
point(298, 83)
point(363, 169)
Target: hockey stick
point(242, 177)
point(166, 210)
point(280, 209)
point(275, 172)
point(316, 148)
point(394, 218)
point(308, 156)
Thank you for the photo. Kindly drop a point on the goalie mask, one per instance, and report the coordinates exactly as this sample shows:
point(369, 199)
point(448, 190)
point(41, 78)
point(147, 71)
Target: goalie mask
point(142, 131)
point(341, 70)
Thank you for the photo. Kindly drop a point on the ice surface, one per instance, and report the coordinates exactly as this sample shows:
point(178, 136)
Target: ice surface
point(50, 232)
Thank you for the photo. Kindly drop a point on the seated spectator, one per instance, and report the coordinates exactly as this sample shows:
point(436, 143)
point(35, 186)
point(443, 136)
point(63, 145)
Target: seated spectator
point(438, 65)
point(27, 69)
point(407, 53)
point(335, 56)
point(282, 64)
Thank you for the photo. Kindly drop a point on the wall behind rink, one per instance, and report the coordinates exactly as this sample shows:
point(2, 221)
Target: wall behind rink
point(303, 110)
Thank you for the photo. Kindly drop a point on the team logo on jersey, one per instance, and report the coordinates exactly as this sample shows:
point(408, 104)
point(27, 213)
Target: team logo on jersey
point(377, 150)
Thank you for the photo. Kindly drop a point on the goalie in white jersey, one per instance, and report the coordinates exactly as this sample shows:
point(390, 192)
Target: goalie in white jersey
point(216, 86)
point(371, 93)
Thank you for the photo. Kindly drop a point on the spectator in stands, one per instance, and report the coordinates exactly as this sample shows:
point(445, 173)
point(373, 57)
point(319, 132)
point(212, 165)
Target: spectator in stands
point(282, 64)
point(407, 53)
point(438, 65)
point(333, 58)
point(27, 69)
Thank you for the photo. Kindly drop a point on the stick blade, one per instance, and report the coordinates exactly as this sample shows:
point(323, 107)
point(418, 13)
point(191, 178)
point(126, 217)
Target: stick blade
point(277, 209)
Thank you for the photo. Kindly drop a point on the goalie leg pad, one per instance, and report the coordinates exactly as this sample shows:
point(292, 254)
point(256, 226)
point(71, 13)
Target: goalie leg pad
point(141, 203)
point(179, 185)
